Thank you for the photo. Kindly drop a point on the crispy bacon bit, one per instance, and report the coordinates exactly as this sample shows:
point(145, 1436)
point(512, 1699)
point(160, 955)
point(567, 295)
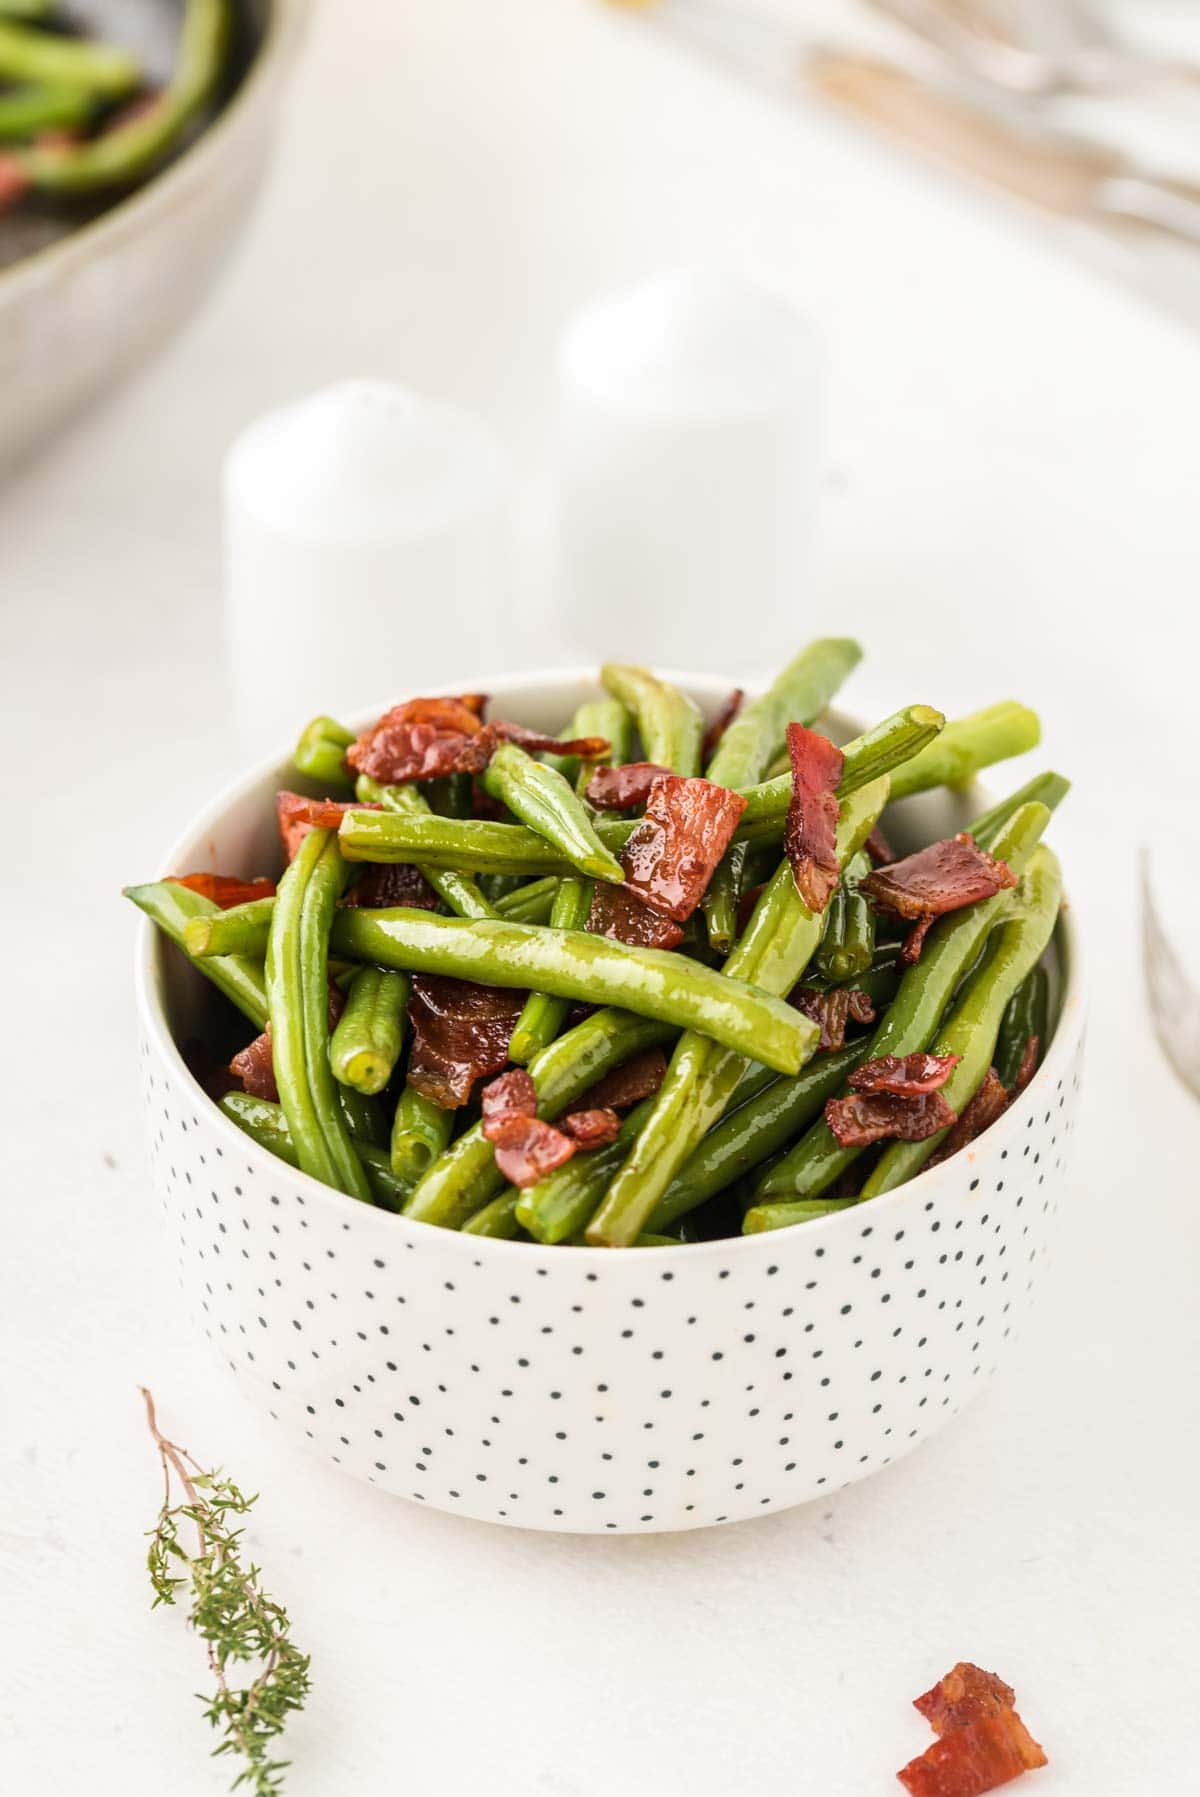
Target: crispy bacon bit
point(393, 883)
point(1028, 1066)
point(422, 739)
point(621, 788)
point(831, 1011)
point(965, 1695)
point(593, 1128)
point(810, 835)
point(673, 853)
point(588, 748)
point(527, 1149)
point(909, 1075)
point(296, 816)
point(720, 724)
point(624, 1086)
point(866, 1117)
point(512, 1095)
point(619, 913)
point(925, 886)
point(990, 1102)
point(224, 889)
point(879, 848)
point(972, 1760)
point(461, 1032)
point(254, 1065)
point(14, 182)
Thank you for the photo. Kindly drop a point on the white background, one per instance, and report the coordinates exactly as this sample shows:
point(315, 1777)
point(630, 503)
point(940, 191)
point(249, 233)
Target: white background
point(1011, 508)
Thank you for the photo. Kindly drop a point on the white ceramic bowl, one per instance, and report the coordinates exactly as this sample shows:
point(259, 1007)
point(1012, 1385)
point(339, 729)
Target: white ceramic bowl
point(586, 1389)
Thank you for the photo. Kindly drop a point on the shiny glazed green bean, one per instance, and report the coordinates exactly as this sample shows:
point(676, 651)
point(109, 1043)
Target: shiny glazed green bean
point(848, 946)
point(1044, 789)
point(877, 751)
point(369, 1034)
point(1028, 1014)
point(320, 754)
point(571, 964)
point(720, 902)
point(421, 1131)
point(967, 745)
point(797, 695)
point(761, 1217)
point(560, 1205)
point(239, 930)
point(670, 724)
point(549, 805)
point(266, 1124)
point(239, 976)
point(458, 890)
point(543, 1016)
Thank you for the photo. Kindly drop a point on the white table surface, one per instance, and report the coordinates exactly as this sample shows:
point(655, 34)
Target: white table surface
point(1011, 508)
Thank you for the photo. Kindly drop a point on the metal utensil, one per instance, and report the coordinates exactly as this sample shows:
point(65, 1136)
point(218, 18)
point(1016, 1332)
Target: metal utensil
point(1070, 176)
point(1174, 1001)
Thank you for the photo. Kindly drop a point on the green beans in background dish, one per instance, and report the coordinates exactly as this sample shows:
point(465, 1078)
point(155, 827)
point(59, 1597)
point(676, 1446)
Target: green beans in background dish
point(369, 1034)
point(543, 1016)
point(548, 804)
point(971, 1030)
point(969, 744)
point(1044, 789)
point(240, 930)
point(670, 724)
point(589, 969)
point(47, 58)
point(796, 696)
point(320, 754)
point(773, 952)
point(421, 1131)
point(298, 1001)
point(1028, 1014)
point(26, 111)
point(239, 976)
point(266, 1124)
point(560, 1205)
point(466, 1176)
point(926, 989)
point(847, 947)
point(457, 890)
point(129, 149)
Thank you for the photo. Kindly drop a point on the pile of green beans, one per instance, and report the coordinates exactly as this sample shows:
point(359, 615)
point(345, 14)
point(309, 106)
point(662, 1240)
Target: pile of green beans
point(736, 1136)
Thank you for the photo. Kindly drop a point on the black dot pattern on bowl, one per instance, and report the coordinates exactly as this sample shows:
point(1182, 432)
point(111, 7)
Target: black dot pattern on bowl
point(554, 1390)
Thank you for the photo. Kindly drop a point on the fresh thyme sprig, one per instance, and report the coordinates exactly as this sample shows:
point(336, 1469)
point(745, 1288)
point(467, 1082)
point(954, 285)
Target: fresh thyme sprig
point(229, 1610)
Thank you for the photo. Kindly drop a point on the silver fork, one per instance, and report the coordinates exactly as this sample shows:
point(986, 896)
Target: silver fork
point(1174, 1001)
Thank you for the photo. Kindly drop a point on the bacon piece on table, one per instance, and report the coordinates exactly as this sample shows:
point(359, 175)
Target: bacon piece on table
point(461, 1032)
point(966, 1694)
point(621, 788)
point(810, 835)
point(866, 1117)
point(943, 877)
point(910, 1075)
point(969, 1761)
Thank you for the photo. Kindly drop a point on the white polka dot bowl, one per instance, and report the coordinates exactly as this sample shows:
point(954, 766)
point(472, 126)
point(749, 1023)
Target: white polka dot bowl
point(585, 1389)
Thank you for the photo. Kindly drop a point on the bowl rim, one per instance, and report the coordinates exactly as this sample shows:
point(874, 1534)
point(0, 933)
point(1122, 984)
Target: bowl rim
point(713, 687)
point(127, 216)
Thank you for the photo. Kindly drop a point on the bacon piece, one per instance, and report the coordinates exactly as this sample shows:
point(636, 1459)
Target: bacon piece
point(673, 854)
point(720, 724)
point(588, 748)
point(224, 889)
point(621, 788)
point(972, 1760)
point(422, 739)
point(528, 1148)
point(593, 1128)
point(1028, 1066)
point(831, 1011)
point(810, 835)
point(14, 182)
point(965, 1695)
point(512, 1095)
point(296, 816)
point(639, 1078)
point(943, 877)
point(254, 1066)
point(619, 913)
point(866, 1117)
point(990, 1102)
point(384, 884)
point(461, 1032)
point(879, 848)
point(910, 1075)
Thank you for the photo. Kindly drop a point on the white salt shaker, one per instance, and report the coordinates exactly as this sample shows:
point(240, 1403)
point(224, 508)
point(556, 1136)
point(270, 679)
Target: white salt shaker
point(366, 541)
point(692, 427)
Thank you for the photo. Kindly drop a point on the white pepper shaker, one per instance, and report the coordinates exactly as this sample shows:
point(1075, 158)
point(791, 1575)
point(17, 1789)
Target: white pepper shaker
point(367, 552)
point(691, 442)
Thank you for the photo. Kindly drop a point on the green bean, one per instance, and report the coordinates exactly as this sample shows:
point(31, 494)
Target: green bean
point(128, 149)
point(720, 902)
point(848, 946)
point(528, 897)
point(421, 1131)
point(877, 751)
point(45, 57)
point(456, 889)
point(298, 999)
point(321, 753)
point(782, 1216)
point(173, 908)
point(547, 803)
point(560, 1205)
point(751, 1133)
point(543, 1016)
point(611, 720)
point(369, 1034)
point(670, 724)
point(266, 1124)
point(364, 1116)
point(26, 9)
point(1028, 1014)
point(592, 969)
point(970, 1031)
point(479, 846)
point(497, 1219)
point(466, 1176)
point(773, 952)
point(1044, 789)
point(239, 930)
point(501, 886)
point(968, 744)
point(797, 695)
point(925, 990)
point(26, 111)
